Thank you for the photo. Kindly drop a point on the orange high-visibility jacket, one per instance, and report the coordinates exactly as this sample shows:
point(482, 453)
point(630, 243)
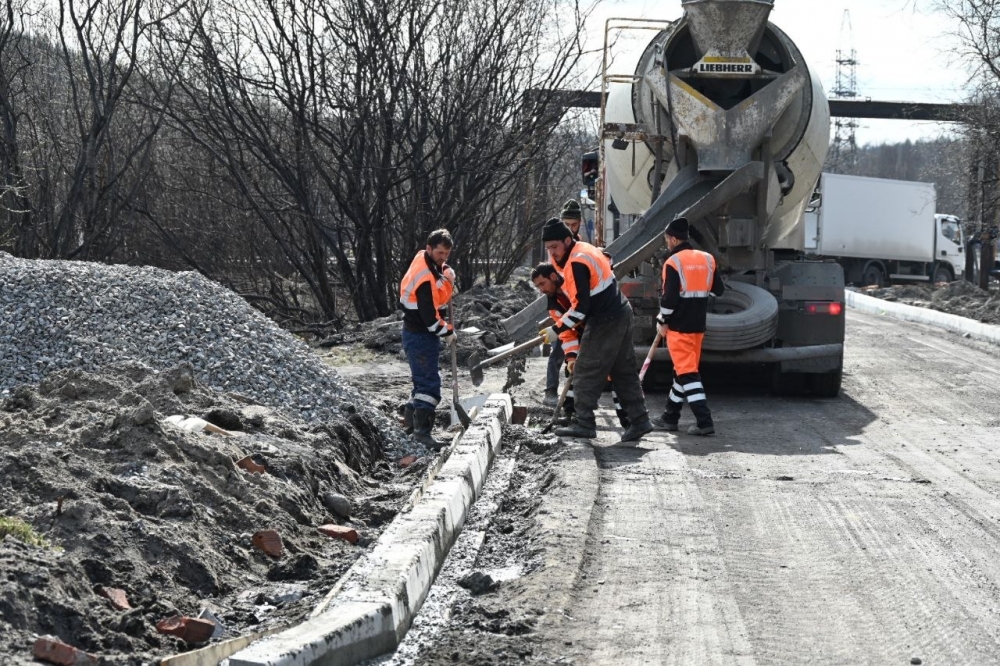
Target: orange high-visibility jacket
point(559, 305)
point(589, 283)
point(423, 291)
point(689, 276)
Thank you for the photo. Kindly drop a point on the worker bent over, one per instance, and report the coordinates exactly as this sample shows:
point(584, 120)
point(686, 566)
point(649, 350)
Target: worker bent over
point(425, 289)
point(606, 347)
point(549, 284)
point(689, 275)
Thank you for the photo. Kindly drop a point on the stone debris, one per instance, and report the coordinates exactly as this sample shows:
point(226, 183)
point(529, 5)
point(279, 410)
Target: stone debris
point(339, 532)
point(50, 649)
point(117, 597)
point(189, 629)
point(268, 542)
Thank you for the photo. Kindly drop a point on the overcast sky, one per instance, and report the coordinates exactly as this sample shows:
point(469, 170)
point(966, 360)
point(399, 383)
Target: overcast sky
point(903, 55)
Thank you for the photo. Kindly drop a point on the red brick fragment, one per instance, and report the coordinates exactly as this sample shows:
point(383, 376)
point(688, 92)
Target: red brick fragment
point(340, 532)
point(117, 597)
point(54, 651)
point(188, 629)
point(406, 461)
point(519, 415)
point(250, 465)
point(268, 542)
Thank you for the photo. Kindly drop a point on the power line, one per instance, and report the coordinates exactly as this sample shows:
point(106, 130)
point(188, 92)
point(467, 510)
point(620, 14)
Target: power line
point(844, 151)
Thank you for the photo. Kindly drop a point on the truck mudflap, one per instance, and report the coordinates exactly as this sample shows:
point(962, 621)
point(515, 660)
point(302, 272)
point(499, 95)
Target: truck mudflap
point(763, 355)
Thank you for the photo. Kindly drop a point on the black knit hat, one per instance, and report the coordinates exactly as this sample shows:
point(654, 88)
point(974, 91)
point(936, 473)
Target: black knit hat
point(571, 210)
point(554, 229)
point(678, 228)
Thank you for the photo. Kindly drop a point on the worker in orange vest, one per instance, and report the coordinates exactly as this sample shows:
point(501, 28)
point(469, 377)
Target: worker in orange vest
point(549, 283)
point(689, 276)
point(606, 347)
point(424, 292)
point(572, 217)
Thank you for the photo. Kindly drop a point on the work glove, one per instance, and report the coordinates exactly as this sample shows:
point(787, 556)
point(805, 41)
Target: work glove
point(662, 329)
point(550, 335)
point(449, 274)
point(571, 364)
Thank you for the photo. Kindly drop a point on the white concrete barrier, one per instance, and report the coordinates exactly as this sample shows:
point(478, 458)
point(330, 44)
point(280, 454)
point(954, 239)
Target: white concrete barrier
point(954, 323)
point(380, 594)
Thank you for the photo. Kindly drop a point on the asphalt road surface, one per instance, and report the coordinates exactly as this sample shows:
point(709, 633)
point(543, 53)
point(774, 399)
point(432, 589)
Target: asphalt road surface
point(860, 530)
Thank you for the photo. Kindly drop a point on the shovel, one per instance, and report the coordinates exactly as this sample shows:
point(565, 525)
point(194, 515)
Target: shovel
point(477, 370)
point(562, 398)
point(458, 413)
point(649, 356)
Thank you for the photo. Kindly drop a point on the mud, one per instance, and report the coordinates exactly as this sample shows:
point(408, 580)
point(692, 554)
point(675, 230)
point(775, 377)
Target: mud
point(494, 622)
point(958, 298)
point(126, 500)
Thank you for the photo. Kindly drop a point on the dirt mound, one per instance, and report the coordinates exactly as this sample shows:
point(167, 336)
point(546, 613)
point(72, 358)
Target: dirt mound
point(958, 298)
point(124, 499)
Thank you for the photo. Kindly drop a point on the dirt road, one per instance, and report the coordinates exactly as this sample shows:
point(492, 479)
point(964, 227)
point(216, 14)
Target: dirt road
point(859, 530)
point(864, 529)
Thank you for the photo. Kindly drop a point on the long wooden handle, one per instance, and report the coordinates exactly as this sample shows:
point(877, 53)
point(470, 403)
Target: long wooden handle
point(649, 356)
point(521, 348)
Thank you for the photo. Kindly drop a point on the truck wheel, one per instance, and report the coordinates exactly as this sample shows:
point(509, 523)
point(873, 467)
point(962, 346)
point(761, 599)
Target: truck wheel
point(744, 316)
point(873, 275)
point(942, 273)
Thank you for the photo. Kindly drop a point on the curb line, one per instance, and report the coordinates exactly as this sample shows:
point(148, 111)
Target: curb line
point(384, 589)
point(954, 323)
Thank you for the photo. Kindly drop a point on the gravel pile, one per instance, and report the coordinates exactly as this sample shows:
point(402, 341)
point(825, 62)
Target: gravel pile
point(57, 315)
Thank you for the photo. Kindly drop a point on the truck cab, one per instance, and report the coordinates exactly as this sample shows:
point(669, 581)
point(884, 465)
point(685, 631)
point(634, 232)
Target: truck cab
point(949, 247)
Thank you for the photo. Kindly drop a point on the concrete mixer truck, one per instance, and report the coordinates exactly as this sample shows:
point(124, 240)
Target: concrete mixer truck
point(723, 122)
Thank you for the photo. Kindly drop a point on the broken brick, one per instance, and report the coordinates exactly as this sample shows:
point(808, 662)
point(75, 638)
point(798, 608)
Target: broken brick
point(54, 651)
point(250, 465)
point(519, 415)
point(340, 532)
point(117, 597)
point(188, 629)
point(268, 542)
point(406, 461)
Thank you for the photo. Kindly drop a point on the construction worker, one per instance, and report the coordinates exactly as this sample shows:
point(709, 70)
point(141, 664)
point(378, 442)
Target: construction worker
point(424, 291)
point(689, 275)
point(606, 343)
point(572, 217)
point(548, 281)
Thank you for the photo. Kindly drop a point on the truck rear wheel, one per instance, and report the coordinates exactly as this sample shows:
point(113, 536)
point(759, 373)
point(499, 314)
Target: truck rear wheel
point(942, 273)
point(873, 275)
point(826, 384)
point(744, 317)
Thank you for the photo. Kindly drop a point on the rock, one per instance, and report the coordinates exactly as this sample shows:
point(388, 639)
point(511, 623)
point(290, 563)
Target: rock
point(302, 566)
point(220, 629)
point(250, 465)
point(224, 418)
point(54, 651)
point(143, 414)
point(117, 597)
point(268, 542)
point(478, 583)
point(338, 505)
point(339, 532)
point(189, 629)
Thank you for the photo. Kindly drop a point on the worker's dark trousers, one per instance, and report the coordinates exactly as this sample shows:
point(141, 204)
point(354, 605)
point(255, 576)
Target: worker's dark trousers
point(569, 406)
point(606, 350)
point(422, 350)
point(685, 353)
point(556, 357)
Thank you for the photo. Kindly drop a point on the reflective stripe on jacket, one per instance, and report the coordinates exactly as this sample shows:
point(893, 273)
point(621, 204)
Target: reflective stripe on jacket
point(570, 337)
point(423, 291)
point(689, 276)
point(589, 283)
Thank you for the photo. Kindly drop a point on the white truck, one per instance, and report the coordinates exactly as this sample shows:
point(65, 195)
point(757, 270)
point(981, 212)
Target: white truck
point(883, 231)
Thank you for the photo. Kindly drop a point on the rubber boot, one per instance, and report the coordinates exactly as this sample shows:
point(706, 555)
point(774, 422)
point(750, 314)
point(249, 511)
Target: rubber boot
point(668, 420)
point(408, 419)
point(635, 431)
point(423, 420)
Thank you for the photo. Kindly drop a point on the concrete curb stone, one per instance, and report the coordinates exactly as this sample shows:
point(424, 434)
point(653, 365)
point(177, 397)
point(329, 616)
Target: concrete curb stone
point(950, 322)
point(382, 592)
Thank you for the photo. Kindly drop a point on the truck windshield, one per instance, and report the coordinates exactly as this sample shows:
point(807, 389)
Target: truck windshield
point(949, 229)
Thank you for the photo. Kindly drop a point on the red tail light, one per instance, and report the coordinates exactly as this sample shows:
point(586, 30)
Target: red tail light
point(830, 308)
